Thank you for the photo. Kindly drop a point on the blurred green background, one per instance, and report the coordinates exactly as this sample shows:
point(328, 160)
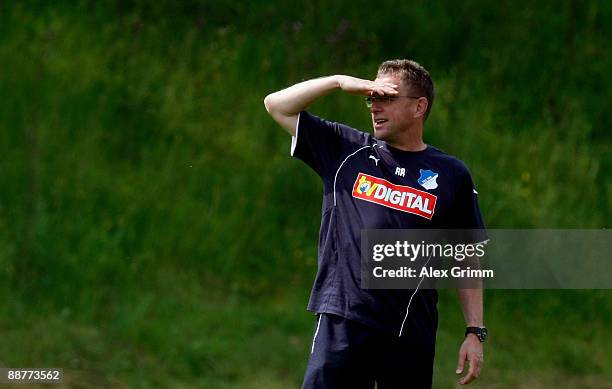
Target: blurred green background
point(154, 231)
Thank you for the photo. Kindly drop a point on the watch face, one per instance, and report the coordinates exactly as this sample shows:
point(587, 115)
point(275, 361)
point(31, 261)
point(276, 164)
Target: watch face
point(483, 333)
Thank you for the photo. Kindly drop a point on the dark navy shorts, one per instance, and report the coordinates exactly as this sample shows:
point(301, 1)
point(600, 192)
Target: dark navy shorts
point(348, 354)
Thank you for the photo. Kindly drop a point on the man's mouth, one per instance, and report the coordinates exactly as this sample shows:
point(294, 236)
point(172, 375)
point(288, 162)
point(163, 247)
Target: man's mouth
point(380, 121)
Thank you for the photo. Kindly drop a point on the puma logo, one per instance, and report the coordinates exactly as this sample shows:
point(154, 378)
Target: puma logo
point(375, 159)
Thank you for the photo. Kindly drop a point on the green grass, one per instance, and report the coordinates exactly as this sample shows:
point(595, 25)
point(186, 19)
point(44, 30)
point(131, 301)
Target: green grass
point(215, 340)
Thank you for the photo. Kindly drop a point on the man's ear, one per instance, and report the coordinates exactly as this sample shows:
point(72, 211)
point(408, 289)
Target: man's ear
point(421, 108)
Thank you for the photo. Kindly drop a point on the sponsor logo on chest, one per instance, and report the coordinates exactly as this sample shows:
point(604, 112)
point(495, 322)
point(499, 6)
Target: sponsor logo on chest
point(400, 197)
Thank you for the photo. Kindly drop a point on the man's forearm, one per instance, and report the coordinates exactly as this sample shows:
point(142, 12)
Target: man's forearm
point(296, 98)
point(471, 305)
point(285, 105)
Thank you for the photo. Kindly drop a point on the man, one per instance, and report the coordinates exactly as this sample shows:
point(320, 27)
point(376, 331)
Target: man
point(364, 336)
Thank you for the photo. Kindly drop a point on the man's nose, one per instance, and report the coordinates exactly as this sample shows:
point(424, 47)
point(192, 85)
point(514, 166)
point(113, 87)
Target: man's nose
point(376, 107)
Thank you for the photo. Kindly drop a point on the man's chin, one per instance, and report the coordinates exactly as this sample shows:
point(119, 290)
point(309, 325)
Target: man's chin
point(380, 134)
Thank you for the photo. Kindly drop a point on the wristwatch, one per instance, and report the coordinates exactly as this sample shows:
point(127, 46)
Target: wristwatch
point(481, 332)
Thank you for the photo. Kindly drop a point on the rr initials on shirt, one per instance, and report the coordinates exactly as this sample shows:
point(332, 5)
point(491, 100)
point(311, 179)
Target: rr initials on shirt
point(400, 171)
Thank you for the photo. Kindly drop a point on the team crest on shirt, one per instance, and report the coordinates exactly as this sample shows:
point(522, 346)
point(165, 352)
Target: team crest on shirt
point(400, 197)
point(428, 179)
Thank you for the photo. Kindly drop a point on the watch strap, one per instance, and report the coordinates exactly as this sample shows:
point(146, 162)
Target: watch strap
point(480, 332)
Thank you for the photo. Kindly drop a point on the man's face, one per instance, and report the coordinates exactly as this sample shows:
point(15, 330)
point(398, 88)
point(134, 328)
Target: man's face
point(390, 119)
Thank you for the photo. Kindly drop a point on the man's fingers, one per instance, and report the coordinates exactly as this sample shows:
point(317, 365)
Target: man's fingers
point(390, 89)
point(459, 368)
point(471, 376)
point(473, 372)
point(460, 362)
point(382, 89)
point(367, 87)
point(478, 366)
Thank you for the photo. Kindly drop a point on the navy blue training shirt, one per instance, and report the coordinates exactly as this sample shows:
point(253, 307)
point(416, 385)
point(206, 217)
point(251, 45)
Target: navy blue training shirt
point(369, 184)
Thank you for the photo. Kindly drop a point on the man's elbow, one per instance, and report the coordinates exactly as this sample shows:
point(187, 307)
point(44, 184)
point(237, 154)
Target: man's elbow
point(269, 103)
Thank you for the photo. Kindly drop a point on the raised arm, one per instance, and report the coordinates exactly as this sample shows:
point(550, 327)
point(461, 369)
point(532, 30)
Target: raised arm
point(285, 105)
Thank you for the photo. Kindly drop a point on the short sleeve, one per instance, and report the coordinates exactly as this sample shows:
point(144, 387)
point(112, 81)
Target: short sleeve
point(321, 143)
point(467, 215)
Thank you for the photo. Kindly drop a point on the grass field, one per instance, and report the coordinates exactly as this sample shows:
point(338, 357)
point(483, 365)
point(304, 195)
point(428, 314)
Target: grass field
point(539, 340)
